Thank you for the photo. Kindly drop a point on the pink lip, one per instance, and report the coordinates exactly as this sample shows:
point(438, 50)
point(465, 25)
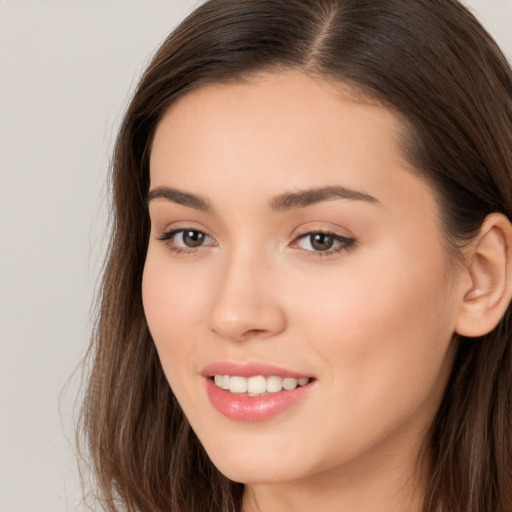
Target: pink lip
point(248, 370)
point(251, 408)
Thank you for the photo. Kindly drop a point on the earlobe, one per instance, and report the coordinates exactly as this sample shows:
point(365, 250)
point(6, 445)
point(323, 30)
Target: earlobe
point(487, 297)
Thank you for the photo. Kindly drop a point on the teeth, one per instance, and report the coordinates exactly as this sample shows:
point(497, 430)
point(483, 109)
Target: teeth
point(257, 385)
point(274, 384)
point(238, 385)
point(289, 383)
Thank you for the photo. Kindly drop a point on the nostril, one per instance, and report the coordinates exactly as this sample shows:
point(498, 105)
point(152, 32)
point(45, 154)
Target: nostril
point(253, 332)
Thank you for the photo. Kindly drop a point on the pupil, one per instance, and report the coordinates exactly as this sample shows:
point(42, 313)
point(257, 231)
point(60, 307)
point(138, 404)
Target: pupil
point(193, 238)
point(322, 242)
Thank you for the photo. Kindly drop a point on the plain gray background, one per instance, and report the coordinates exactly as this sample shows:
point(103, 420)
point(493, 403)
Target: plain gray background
point(66, 70)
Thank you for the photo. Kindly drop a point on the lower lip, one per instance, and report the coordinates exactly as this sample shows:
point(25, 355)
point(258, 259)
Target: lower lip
point(253, 408)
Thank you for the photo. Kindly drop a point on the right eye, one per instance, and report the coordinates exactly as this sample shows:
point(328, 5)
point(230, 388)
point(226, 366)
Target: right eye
point(186, 240)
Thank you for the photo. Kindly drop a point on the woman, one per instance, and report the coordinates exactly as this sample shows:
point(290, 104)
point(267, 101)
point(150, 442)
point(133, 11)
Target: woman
point(306, 298)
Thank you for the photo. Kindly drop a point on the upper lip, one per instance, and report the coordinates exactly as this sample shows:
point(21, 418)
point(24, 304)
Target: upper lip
point(249, 369)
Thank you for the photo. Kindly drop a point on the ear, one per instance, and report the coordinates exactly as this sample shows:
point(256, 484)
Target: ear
point(488, 290)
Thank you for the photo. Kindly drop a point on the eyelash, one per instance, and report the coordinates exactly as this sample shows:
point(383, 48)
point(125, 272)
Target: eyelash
point(344, 243)
point(168, 238)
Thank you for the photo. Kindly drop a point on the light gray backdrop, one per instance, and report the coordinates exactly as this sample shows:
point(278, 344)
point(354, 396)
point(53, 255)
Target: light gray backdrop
point(66, 70)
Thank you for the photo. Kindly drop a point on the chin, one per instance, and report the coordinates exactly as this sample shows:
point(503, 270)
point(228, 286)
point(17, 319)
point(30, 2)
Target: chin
point(257, 462)
point(254, 473)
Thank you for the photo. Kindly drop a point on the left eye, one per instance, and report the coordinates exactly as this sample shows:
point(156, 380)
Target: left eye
point(187, 238)
point(323, 242)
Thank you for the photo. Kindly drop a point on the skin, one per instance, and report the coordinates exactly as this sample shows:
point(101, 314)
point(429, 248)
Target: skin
point(372, 322)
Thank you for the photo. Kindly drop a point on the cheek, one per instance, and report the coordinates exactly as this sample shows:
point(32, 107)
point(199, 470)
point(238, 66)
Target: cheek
point(385, 328)
point(173, 302)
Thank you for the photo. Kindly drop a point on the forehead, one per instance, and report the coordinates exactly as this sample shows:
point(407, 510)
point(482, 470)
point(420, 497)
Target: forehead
point(290, 99)
point(279, 132)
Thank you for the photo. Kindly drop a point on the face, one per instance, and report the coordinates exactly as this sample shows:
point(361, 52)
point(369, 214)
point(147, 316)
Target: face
point(296, 285)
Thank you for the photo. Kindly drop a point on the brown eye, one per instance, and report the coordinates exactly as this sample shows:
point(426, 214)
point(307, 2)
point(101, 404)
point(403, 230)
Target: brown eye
point(193, 238)
point(321, 241)
point(179, 240)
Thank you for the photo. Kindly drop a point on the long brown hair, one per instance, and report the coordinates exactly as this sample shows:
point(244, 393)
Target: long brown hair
point(430, 62)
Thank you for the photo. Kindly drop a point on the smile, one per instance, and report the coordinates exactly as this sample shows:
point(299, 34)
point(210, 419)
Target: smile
point(258, 385)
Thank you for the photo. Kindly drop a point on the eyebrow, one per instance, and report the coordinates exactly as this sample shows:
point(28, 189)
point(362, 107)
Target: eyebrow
point(178, 197)
point(301, 199)
point(283, 202)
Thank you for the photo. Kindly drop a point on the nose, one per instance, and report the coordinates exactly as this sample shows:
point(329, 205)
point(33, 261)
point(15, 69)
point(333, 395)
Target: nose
point(247, 300)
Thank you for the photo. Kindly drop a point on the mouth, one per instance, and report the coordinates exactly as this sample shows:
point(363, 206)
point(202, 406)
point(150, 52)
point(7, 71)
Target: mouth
point(258, 385)
point(252, 392)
